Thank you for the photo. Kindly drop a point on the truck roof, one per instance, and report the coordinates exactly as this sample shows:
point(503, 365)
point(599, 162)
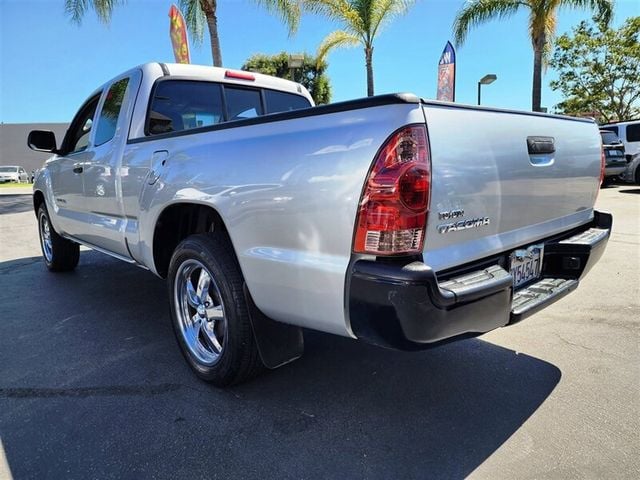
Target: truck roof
point(219, 74)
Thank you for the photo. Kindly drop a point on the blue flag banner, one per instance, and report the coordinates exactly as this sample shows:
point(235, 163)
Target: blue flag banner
point(447, 75)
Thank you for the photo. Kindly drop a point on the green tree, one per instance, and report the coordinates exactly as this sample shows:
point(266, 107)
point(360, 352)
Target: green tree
point(361, 21)
point(599, 71)
point(311, 74)
point(197, 13)
point(542, 26)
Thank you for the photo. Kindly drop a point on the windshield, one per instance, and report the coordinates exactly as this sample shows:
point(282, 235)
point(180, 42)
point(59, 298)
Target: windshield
point(609, 138)
point(9, 169)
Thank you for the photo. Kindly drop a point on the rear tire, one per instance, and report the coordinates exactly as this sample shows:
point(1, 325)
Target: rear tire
point(59, 254)
point(209, 311)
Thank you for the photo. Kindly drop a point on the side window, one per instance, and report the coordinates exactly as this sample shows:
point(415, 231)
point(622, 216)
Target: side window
point(633, 132)
point(242, 103)
point(108, 119)
point(284, 102)
point(181, 104)
point(77, 137)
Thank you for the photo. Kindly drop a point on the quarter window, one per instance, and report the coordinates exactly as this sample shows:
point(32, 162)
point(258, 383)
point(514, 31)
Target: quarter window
point(108, 120)
point(181, 105)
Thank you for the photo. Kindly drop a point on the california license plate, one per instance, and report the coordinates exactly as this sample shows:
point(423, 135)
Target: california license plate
point(526, 264)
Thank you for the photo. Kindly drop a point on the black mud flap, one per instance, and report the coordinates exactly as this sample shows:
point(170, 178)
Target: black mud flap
point(278, 343)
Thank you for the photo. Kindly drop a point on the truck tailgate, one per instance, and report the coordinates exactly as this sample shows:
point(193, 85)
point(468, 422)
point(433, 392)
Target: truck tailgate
point(489, 194)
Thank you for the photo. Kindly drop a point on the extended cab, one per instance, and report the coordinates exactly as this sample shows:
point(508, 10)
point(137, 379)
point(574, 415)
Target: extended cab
point(395, 220)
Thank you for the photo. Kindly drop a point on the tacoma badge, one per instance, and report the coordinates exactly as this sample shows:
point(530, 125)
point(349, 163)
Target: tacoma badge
point(464, 224)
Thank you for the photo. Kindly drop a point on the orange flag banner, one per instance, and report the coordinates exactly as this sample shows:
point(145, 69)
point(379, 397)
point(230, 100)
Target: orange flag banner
point(178, 34)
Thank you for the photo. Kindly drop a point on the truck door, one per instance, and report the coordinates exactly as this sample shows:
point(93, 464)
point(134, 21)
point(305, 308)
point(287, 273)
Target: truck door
point(67, 170)
point(105, 218)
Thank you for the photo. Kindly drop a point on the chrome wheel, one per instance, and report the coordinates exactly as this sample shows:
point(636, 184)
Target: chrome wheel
point(45, 238)
point(200, 311)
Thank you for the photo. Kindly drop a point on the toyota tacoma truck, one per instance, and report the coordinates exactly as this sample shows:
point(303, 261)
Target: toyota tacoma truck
point(395, 220)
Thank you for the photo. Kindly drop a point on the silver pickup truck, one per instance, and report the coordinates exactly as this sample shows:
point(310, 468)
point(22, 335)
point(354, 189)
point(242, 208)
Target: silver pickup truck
point(399, 221)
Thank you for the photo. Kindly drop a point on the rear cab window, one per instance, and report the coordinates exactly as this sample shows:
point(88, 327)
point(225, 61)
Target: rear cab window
point(243, 103)
point(178, 105)
point(284, 102)
point(183, 104)
point(609, 138)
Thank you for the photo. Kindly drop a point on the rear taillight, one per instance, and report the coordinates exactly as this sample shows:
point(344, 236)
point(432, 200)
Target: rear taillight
point(393, 209)
point(602, 164)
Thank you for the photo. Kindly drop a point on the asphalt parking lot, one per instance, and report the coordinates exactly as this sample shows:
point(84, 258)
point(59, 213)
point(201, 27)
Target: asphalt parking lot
point(92, 384)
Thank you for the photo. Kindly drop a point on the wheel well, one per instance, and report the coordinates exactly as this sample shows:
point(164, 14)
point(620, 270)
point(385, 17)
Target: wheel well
point(38, 199)
point(175, 224)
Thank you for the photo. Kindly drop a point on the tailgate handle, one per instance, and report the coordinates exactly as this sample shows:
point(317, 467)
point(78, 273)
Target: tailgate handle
point(540, 145)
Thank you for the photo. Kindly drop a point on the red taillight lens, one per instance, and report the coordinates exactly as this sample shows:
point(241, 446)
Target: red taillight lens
point(603, 163)
point(395, 201)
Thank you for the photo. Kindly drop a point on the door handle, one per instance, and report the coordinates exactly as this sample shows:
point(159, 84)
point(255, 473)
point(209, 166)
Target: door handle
point(158, 161)
point(78, 168)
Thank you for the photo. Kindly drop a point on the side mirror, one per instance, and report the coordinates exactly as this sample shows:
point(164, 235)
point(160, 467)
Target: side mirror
point(42, 141)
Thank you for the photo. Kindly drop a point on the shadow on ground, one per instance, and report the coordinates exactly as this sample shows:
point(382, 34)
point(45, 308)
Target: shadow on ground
point(92, 384)
point(630, 190)
point(10, 203)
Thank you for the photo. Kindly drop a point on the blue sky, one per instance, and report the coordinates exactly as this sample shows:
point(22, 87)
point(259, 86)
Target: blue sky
point(49, 65)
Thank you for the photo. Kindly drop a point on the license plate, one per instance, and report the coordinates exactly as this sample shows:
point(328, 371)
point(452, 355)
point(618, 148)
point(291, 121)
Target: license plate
point(615, 153)
point(526, 264)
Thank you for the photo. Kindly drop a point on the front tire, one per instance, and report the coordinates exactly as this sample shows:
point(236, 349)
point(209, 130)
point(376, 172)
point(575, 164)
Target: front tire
point(59, 254)
point(209, 311)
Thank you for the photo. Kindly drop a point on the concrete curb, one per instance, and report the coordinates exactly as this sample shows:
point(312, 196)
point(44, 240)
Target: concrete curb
point(16, 190)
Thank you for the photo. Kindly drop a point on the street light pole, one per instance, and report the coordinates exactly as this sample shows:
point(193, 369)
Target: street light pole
point(296, 61)
point(486, 80)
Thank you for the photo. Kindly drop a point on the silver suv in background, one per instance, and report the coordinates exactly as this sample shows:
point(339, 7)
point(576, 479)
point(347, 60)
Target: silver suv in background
point(632, 172)
point(13, 173)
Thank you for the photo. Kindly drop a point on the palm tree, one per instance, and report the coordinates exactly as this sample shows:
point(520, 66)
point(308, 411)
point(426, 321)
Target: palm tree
point(542, 25)
point(361, 21)
point(196, 14)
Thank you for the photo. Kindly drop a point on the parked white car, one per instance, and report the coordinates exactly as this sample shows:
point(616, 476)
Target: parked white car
point(13, 173)
point(629, 133)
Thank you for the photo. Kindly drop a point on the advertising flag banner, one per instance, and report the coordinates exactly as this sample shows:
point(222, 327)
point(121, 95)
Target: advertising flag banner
point(447, 75)
point(178, 34)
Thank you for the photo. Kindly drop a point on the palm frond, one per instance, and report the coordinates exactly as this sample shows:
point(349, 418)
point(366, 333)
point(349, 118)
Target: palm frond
point(603, 9)
point(287, 10)
point(194, 18)
point(336, 39)
point(77, 9)
point(341, 10)
point(477, 12)
point(386, 10)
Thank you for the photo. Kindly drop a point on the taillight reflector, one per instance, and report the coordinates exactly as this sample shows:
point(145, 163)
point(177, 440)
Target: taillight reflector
point(603, 163)
point(239, 75)
point(392, 214)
